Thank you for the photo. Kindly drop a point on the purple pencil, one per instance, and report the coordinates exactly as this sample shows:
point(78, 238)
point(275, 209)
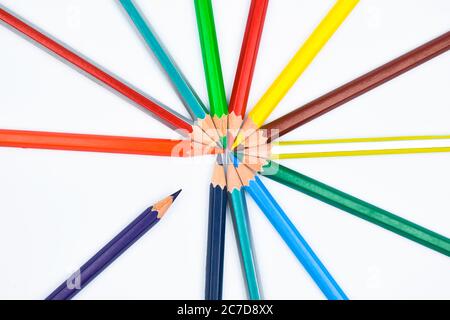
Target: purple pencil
point(136, 229)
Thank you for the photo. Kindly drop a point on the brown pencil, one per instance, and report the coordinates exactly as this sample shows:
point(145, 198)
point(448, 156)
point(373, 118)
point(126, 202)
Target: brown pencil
point(357, 87)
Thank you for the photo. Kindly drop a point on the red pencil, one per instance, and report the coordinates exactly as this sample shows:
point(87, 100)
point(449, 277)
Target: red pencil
point(246, 66)
point(164, 115)
point(247, 59)
point(100, 143)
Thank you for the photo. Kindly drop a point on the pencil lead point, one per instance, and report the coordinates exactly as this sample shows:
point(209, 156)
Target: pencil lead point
point(175, 195)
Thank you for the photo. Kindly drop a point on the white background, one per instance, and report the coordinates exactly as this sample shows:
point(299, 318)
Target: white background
point(58, 208)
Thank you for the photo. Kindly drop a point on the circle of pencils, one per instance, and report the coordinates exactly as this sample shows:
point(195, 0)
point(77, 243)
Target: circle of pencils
point(244, 145)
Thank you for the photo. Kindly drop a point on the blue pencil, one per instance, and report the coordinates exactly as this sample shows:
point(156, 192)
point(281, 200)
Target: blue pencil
point(216, 233)
point(290, 234)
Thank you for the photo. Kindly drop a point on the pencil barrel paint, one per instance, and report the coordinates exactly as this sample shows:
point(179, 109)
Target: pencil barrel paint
point(295, 241)
point(191, 100)
point(99, 143)
point(358, 207)
point(301, 60)
point(106, 255)
point(360, 140)
point(248, 56)
point(211, 58)
point(168, 117)
point(216, 243)
point(358, 86)
point(295, 68)
point(238, 205)
point(360, 153)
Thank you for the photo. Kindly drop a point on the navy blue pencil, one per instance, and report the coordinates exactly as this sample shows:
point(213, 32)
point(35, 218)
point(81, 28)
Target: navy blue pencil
point(136, 229)
point(216, 233)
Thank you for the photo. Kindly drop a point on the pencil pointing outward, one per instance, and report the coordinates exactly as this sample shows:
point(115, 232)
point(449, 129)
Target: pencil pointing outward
point(298, 64)
point(113, 249)
point(101, 143)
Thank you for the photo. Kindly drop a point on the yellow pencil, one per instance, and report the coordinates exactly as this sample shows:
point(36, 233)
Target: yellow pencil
point(360, 140)
point(295, 68)
point(354, 153)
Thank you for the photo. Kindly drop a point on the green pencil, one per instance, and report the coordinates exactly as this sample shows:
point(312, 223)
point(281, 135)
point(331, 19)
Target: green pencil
point(357, 207)
point(212, 66)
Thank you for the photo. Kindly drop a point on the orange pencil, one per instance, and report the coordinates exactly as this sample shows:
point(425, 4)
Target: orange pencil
point(101, 143)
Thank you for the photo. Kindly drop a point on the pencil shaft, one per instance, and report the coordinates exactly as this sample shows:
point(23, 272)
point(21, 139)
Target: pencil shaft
point(357, 207)
point(188, 95)
point(248, 56)
point(358, 153)
point(166, 116)
point(100, 143)
point(216, 243)
point(295, 241)
point(106, 256)
point(301, 60)
point(358, 86)
point(238, 205)
point(360, 140)
point(211, 57)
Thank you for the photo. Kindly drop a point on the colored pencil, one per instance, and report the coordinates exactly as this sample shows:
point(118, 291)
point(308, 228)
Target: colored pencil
point(191, 101)
point(163, 114)
point(190, 98)
point(278, 147)
point(290, 234)
point(360, 140)
point(304, 56)
point(118, 245)
point(357, 207)
point(212, 67)
point(253, 162)
point(241, 222)
point(101, 143)
point(247, 58)
point(357, 87)
point(358, 153)
point(216, 233)
point(246, 66)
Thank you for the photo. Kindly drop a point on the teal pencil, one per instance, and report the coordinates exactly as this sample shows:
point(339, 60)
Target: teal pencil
point(238, 206)
point(190, 98)
point(289, 233)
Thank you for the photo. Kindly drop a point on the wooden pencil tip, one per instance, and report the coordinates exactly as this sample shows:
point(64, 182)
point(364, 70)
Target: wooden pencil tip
point(175, 195)
point(237, 141)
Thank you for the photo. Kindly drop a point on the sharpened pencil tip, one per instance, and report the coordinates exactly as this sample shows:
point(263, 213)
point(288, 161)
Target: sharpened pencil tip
point(175, 195)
